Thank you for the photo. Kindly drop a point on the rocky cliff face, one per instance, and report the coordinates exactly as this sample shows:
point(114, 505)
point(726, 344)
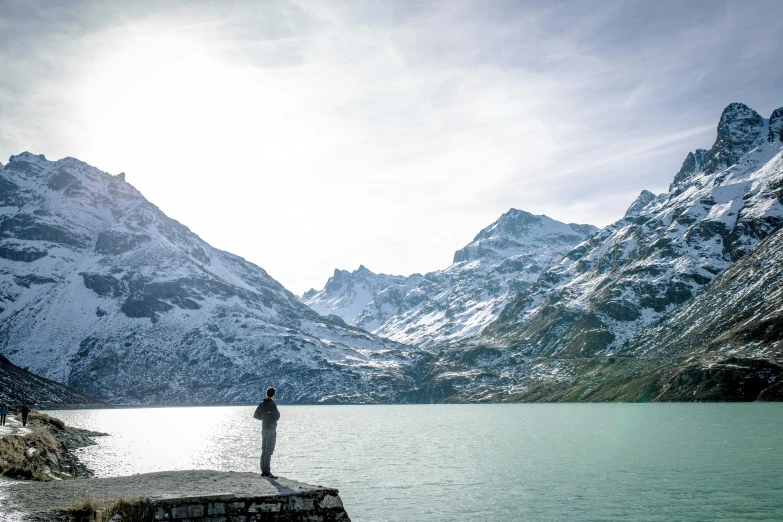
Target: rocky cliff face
point(724, 345)
point(678, 300)
point(347, 294)
point(459, 301)
point(101, 290)
point(665, 304)
point(660, 255)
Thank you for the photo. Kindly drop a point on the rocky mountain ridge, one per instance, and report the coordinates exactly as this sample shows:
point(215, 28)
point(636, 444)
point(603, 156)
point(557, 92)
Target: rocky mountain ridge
point(724, 345)
point(458, 302)
point(102, 291)
point(661, 254)
point(677, 300)
point(590, 328)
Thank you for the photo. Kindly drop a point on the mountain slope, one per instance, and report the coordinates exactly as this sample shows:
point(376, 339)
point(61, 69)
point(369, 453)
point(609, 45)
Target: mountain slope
point(729, 340)
point(740, 314)
point(101, 290)
point(661, 254)
point(724, 345)
point(459, 301)
point(665, 304)
point(20, 386)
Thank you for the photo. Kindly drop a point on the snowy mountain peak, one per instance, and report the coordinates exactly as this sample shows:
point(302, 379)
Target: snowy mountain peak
point(739, 130)
point(513, 221)
point(100, 289)
point(27, 157)
point(776, 126)
point(644, 198)
point(691, 165)
point(516, 231)
point(736, 120)
point(460, 300)
point(346, 293)
point(634, 271)
point(341, 277)
point(27, 162)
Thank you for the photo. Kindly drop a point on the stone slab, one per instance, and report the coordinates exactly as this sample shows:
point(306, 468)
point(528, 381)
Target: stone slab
point(34, 498)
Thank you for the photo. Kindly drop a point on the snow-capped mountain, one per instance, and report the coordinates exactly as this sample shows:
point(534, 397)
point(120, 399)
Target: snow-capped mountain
point(665, 304)
point(346, 294)
point(99, 289)
point(724, 345)
point(678, 300)
point(727, 343)
point(459, 301)
point(662, 253)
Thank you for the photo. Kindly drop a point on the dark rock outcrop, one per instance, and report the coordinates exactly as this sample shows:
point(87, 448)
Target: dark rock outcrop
point(739, 131)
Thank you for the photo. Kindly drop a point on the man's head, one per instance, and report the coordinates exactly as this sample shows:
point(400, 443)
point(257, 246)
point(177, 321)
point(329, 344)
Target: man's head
point(270, 392)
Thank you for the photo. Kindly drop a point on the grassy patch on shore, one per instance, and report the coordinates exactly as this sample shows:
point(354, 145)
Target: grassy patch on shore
point(25, 456)
point(135, 510)
point(28, 456)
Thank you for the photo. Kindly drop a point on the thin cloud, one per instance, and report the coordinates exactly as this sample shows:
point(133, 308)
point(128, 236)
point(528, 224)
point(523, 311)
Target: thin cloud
point(306, 136)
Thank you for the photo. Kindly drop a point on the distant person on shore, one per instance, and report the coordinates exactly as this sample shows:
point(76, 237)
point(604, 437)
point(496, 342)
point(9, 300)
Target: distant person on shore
point(25, 413)
point(268, 415)
point(3, 413)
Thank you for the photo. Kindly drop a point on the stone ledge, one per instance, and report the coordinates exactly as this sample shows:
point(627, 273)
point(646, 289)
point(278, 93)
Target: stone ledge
point(186, 496)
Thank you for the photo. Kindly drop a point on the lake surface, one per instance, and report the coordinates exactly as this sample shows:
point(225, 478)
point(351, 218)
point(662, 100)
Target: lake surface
point(479, 462)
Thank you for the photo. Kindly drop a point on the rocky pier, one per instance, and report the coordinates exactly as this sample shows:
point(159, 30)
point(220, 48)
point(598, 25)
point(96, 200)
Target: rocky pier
point(180, 496)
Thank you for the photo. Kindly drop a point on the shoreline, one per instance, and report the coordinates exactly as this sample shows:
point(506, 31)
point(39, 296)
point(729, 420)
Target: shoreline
point(44, 449)
point(412, 404)
point(44, 481)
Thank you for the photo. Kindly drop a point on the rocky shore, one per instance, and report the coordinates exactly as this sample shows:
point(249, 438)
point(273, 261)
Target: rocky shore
point(44, 449)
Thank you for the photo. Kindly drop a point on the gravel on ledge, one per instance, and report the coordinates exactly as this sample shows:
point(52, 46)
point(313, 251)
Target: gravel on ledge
point(35, 498)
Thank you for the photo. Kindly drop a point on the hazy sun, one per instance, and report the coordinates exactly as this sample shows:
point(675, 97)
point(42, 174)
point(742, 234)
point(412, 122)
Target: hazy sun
point(156, 90)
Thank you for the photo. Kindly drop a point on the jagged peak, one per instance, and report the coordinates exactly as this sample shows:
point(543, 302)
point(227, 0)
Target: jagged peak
point(739, 131)
point(310, 293)
point(736, 121)
point(642, 200)
point(344, 276)
point(520, 227)
point(363, 270)
point(27, 157)
point(776, 126)
point(736, 108)
point(515, 215)
point(691, 165)
point(508, 222)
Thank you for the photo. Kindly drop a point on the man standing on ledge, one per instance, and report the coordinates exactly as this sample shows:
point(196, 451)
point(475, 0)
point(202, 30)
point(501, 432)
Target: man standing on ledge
point(268, 415)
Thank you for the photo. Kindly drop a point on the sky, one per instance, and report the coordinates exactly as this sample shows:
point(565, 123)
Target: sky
point(306, 136)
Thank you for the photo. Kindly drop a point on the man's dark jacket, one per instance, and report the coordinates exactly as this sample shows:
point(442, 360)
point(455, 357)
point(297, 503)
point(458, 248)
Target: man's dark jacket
point(267, 413)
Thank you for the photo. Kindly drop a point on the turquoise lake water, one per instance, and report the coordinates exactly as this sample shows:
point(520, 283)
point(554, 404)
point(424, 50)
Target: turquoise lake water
point(479, 462)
